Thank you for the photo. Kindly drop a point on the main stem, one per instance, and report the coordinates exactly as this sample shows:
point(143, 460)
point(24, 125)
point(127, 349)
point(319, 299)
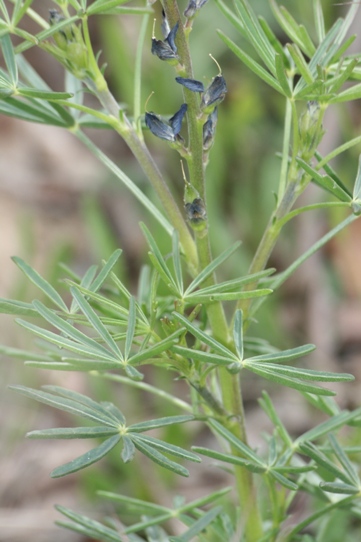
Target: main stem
point(230, 384)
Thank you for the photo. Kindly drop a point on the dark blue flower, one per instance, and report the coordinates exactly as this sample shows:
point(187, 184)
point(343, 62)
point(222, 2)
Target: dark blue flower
point(171, 37)
point(163, 130)
point(167, 49)
point(158, 127)
point(191, 84)
point(215, 93)
point(176, 120)
point(193, 7)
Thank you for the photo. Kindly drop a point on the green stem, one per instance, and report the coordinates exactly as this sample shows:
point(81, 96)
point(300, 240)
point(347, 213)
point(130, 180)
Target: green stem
point(286, 145)
point(230, 384)
point(296, 182)
point(137, 75)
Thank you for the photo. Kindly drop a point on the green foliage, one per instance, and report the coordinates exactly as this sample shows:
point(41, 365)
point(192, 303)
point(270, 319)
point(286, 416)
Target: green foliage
point(176, 320)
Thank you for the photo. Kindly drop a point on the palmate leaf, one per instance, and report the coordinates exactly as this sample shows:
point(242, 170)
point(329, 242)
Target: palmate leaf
point(87, 459)
point(296, 32)
point(157, 457)
point(159, 422)
point(131, 328)
point(231, 459)
point(243, 448)
point(97, 324)
point(156, 514)
point(72, 364)
point(105, 271)
point(159, 263)
point(86, 526)
point(11, 306)
point(229, 285)
point(256, 35)
point(128, 450)
point(41, 283)
point(85, 282)
point(325, 181)
point(199, 526)
point(77, 342)
point(323, 461)
point(290, 382)
point(210, 268)
point(251, 63)
point(268, 407)
point(336, 422)
point(43, 94)
point(156, 349)
point(113, 427)
point(256, 467)
point(341, 456)
point(205, 357)
point(73, 432)
point(72, 402)
point(339, 488)
point(33, 110)
point(9, 57)
point(167, 448)
point(205, 338)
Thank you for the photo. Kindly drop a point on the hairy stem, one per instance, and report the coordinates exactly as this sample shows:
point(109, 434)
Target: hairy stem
point(230, 384)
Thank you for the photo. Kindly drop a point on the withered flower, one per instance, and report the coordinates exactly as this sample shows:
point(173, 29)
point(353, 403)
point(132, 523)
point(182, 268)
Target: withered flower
point(166, 130)
point(167, 49)
point(191, 84)
point(193, 7)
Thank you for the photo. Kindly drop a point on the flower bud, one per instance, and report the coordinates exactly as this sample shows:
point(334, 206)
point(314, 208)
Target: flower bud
point(70, 47)
point(310, 128)
point(209, 129)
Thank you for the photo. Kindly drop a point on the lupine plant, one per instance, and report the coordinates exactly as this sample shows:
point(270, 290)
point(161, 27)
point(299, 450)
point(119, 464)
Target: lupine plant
point(181, 319)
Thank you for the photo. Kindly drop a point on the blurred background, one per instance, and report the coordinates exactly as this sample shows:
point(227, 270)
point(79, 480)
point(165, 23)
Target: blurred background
point(58, 204)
